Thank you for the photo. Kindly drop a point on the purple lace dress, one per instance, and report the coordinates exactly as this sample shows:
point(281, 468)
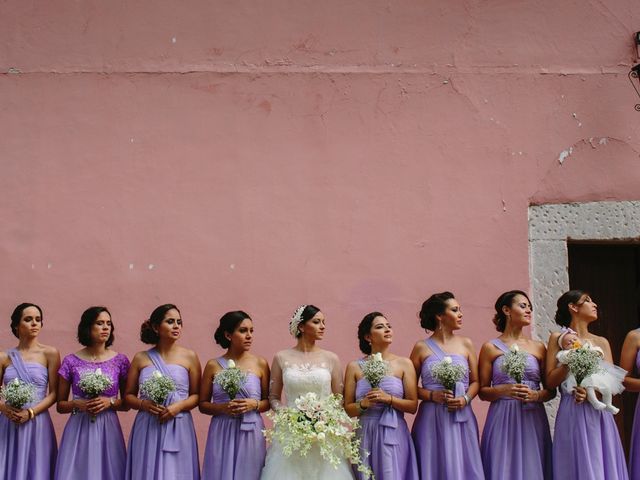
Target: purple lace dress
point(235, 445)
point(385, 436)
point(27, 451)
point(516, 442)
point(446, 442)
point(92, 449)
point(634, 451)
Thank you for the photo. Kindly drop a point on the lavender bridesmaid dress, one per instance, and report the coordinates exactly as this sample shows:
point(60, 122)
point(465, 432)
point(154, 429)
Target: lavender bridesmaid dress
point(446, 442)
point(235, 445)
point(516, 442)
point(92, 449)
point(163, 451)
point(385, 436)
point(634, 451)
point(586, 443)
point(27, 451)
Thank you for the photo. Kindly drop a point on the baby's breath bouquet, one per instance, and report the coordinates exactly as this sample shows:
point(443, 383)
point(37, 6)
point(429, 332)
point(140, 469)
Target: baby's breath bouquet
point(374, 369)
point(447, 373)
point(18, 393)
point(157, 387)
point(318, 421)
point(583, 361)
point(514, 363)
point(231, 379)
point(93, 384)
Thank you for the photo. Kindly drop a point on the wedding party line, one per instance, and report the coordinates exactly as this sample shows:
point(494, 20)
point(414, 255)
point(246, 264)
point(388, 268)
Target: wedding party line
point(326, 422)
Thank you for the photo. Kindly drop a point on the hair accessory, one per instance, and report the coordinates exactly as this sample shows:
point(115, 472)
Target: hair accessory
point(564, 331)
point(295, 321)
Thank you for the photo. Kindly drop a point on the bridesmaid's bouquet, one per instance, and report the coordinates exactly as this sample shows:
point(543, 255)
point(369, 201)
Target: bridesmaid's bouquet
point(514, 363)
point(584, 360)
point(158, 387)
point(318, 421)
point(93, 384)
point(18, 393)
point(447, 373)
point(374, 369)
point(231, 379)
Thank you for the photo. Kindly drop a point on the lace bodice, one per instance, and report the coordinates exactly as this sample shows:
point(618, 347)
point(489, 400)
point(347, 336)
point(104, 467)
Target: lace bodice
point(303, 372)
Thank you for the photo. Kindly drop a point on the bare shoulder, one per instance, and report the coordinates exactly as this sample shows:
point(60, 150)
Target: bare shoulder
point(633, 335)
point(405, 363)
point(600, 341)
point(4, 359)
point(331, 356)
point(140, 358)
point(466, 341)
point(262, 362)
point(553, 338)
point(51, 353)
point(420, 347)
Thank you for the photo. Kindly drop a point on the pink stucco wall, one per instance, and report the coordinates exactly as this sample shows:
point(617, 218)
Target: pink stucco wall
point(357, 155)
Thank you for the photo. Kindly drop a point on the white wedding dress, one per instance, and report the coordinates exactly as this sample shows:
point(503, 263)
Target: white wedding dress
point(299, 373)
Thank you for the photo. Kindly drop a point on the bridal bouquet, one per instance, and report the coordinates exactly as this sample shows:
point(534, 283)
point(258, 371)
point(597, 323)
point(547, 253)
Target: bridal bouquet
point(18, 393)
point(447, 373)
point(317, 421)
point(93, 384)
point(514, 363)
point(157, 387)
point(374, 369)
point(583, 361)
point(231, 379)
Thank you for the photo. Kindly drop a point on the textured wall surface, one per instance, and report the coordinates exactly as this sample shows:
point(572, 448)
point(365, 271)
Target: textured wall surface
point(357, 155)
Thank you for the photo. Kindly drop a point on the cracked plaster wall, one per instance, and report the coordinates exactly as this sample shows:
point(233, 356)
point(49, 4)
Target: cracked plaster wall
point(355, 154)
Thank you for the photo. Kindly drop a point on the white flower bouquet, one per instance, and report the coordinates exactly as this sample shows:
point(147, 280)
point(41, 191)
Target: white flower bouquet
point(514, 363)
point(157, 387)
point(447, 373)
point(374, 369)
point(231, 379)
point(584, 360)
point(93, 384)
point(18, 393)
point(318, 421)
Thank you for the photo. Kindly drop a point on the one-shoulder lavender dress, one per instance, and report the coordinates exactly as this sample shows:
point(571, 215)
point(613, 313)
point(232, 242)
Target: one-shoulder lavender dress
point(516, 441)
point(634, 450)
point(163, 451)
point(92, 449)
point(27, 451)
point(446, 442)
point(235, 447)
point(384, 435)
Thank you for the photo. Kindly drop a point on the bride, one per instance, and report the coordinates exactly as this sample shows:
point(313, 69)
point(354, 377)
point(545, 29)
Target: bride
point(302, 369)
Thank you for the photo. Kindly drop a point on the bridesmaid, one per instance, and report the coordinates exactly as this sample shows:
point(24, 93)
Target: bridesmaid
point(445, 431)
point(92, 444)
point(516, 442)
point(586, 443)
point(383, 431)
point(28, 442)
point(235, 445)
point(162, 443)
point(630, 361)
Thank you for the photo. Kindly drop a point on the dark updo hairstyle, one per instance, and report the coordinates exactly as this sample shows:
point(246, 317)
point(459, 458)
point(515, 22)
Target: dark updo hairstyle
point(228, 323)
point(364, 329)
point(147, 333)
point(505, 300)
point(563, 316)
point(16, 316)
point(307, 314)
point(433, 306)
point(89, 317)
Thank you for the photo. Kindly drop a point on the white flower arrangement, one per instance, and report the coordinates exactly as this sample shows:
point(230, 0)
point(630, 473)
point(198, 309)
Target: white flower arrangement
point(447, 373)
point(157, 387)
point(93, 384)
point(583, 360)
point(18, 393)
point(374, 369)
point(318, 421)
point(514, 363)
point(231, 379)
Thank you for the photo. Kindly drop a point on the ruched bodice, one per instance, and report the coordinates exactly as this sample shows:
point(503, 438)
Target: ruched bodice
point(179, 374)
point(250, 389)
point(39, 374)
point(531, 372)
point(430, 383)
point(301, 379)
point(390, 384)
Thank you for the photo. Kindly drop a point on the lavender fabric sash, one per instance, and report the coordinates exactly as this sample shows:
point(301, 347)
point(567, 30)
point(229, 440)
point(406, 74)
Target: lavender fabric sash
point(19, 365)
point(171, 441)
point(463, 415)
point(249, 419)
point(532, 385)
